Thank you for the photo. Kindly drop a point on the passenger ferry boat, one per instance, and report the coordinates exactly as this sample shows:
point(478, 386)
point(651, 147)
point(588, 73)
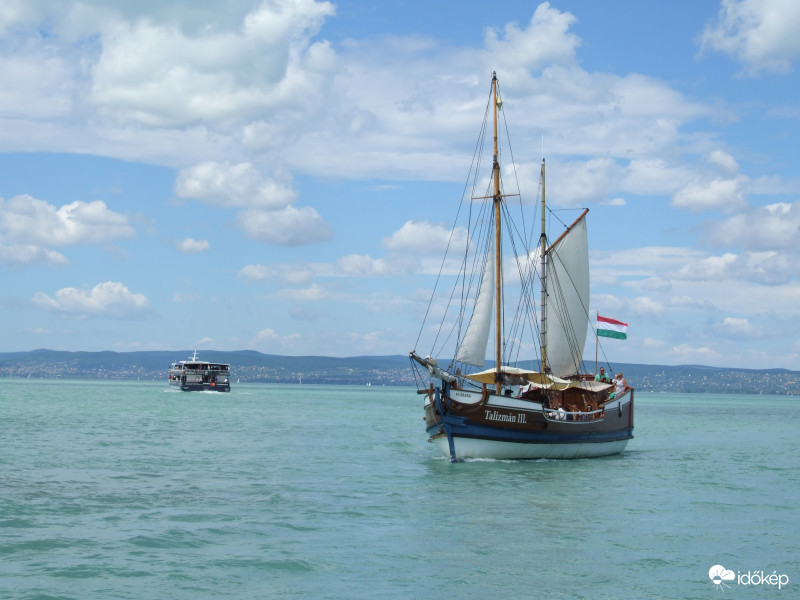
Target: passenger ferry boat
point(196, 375)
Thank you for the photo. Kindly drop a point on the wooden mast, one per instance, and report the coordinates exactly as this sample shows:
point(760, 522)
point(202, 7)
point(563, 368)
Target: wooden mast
point(497, 198)
point(543, 252)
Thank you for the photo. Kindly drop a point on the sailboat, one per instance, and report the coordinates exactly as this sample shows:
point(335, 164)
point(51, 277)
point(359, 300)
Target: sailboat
point(539, 408)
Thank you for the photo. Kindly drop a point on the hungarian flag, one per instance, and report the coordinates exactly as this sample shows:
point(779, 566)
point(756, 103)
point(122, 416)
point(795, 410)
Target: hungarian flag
point(611, 328)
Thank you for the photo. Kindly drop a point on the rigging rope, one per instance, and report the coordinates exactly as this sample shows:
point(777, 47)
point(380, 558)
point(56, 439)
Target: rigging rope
point(477, 153)
point(523, 244)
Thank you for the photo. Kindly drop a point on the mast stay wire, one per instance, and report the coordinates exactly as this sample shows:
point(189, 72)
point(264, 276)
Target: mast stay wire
point(473, 174)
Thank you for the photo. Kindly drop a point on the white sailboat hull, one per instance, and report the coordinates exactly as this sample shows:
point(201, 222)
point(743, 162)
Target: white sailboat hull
point(471, 448)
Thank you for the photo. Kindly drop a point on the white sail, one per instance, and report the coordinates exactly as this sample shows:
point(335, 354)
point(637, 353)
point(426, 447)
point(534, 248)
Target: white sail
point(567, 315)
point(473, 347)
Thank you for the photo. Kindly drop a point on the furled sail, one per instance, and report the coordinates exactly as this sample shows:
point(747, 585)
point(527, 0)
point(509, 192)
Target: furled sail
point(568, 300)
point(473, 347)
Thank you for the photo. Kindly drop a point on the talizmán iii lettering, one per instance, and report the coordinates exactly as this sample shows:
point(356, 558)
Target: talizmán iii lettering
point(493, 415)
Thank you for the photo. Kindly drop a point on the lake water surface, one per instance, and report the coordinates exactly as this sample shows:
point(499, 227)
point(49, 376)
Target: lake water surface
point(132, 490)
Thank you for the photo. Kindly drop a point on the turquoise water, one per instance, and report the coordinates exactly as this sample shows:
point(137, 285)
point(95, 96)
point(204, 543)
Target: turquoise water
point(131, 490)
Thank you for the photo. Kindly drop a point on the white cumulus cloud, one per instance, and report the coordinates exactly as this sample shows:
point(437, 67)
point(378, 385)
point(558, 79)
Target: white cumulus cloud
point(736, 327)
point(109, 299)
point(761, 34)
point(546, 40)
point(771, 227)
point(290, 226)
point(192, 246)
point(27, 254)
point(227, 185)
point(727, 195)
point(25, 219)
point(422, 237)
point(168, 74)
point(363, 265)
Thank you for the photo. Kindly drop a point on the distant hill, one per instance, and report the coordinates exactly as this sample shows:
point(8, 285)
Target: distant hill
point(252, 366)
point(246, 365)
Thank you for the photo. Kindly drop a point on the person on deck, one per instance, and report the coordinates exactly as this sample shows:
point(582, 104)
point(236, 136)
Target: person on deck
point(524, 389)
point(602, 376)
point(620, 385)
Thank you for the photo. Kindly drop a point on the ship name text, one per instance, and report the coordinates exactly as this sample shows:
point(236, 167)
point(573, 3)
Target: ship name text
point(493, 415)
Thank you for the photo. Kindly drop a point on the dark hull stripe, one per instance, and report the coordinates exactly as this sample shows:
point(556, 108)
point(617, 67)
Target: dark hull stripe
point(537, 437)
point(205, 388)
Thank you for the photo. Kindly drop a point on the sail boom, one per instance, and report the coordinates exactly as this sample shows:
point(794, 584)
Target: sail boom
point(567, 230)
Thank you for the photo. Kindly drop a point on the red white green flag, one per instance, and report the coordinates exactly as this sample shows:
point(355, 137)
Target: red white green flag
point(611, 328)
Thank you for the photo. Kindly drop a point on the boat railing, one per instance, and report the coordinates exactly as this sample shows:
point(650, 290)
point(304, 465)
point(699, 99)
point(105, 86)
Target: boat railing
point(574, 416)
point(626, 392)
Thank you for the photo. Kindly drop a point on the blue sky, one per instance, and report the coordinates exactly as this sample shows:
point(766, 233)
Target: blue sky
point(275, 175)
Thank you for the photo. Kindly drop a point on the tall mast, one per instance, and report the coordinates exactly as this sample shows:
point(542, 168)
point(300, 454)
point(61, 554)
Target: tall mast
point(498, 271)
point(542, 253)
